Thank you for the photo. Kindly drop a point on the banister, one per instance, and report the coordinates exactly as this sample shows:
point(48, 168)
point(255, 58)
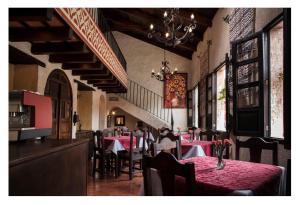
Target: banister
point(147, 100)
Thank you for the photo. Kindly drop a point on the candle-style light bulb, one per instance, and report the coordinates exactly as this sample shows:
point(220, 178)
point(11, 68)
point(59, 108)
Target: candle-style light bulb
point(158, 73)
point(190, 29)
point(153, 71)
point(176, 69)
point(192, 16)
point(165, 14)
point(167, 35)
point(151, 26)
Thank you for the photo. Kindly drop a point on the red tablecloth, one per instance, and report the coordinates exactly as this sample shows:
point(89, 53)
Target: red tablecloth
point(206, 146)
point(124, 140)
point(186, 136)
point(261, 179)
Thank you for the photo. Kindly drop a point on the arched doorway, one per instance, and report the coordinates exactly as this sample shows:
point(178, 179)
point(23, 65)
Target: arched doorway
point(102, 112)
point(59, 89)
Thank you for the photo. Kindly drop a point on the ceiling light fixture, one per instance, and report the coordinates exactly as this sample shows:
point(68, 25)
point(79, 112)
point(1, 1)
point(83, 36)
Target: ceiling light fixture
point(173, 32)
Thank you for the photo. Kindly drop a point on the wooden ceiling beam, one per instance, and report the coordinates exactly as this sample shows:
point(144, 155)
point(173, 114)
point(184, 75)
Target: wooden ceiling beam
point(144, 20)
point(72, 58)
point(118, 90)
point(98, 79)
point(184, 53)
point(58, 47)
point(95, 77)
point(17, 56)
point(30, 14)
point(108, 85)
point(102, 81)
point(40, 34)
point(83, 66)
point(89, 72)
point(158, 12)
point(128, 26)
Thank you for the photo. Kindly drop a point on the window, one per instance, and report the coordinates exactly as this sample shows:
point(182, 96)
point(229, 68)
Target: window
point(195, 106)
point(202, 103)
point(221, 99)
point(209, 101)
point(216, 98)
point(276, 80)
point(190, 108)
point(193, 111)
point(261, 81)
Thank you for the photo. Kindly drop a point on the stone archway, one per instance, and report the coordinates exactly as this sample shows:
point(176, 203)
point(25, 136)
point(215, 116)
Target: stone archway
point(59, 89)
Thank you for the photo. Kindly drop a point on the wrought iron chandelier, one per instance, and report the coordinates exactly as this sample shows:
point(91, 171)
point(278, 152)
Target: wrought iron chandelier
point(173, 32)
point(165, 71)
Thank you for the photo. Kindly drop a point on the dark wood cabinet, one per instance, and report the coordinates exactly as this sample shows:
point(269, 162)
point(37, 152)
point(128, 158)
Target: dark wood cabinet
point(87, 134)
point(48, 168)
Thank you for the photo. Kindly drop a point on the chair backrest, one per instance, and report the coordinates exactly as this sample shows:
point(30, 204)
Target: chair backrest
point(99, 142)
point(108, 132)
point(197, 134)
point(170, 143)
point(256, 145)
point(168, 168)
point(210, 135)
point(137, 148)
point(126, 133)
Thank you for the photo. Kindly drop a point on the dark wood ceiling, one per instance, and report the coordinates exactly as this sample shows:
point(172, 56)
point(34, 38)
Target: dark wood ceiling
point(135, 22)
point(50, 35)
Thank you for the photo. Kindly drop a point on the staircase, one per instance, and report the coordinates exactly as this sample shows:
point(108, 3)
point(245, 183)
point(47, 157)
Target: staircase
point(144, 104)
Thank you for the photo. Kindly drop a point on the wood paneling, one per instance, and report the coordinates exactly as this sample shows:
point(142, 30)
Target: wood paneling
point(48, 168)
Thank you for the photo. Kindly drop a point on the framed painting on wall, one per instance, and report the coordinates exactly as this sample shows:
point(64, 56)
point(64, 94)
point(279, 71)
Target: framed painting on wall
point(175, 91)
point(120, 120)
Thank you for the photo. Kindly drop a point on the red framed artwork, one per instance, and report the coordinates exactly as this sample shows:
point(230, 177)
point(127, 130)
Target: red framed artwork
point(175, 90)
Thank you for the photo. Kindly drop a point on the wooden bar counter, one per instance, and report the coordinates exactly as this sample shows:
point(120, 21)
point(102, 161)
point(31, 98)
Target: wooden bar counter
point(50, 167)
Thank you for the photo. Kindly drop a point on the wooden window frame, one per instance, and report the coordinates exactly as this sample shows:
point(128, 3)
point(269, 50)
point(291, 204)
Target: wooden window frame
point(264, 60)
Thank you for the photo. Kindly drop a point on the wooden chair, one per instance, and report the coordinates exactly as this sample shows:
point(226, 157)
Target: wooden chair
point(256, 145)
point(168, 143)
point(167, 167)
point(132, 156)
point(105, 158)
point(197, 134)
point(126, 134)
point(210, 135)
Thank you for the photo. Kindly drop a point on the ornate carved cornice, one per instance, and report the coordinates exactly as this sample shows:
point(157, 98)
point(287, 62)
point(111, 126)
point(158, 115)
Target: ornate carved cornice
point(85, 27)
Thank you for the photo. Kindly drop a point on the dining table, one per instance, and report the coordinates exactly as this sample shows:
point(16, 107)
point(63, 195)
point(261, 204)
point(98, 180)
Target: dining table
point(120, 143)
point(194, 148)
point(236, 178)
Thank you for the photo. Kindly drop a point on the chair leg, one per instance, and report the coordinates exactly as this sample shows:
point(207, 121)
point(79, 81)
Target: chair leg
point(119, 167)
point(130, 169)
point(116, 167)
point(102, 165)
point(94, 166)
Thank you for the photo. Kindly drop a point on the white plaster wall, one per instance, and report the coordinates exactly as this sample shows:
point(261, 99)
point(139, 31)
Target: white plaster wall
point(102, 111)
point(142, 57)
point(43, 74)
point(95, 110)
point(136, 112)
point(219, 36)
point(264, 16)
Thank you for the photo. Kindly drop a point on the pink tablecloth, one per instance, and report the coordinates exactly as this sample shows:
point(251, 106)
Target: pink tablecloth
point(261, 179)
point(206, 146)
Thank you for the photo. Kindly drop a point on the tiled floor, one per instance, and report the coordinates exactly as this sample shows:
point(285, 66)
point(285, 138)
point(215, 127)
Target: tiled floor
point(111, 186)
